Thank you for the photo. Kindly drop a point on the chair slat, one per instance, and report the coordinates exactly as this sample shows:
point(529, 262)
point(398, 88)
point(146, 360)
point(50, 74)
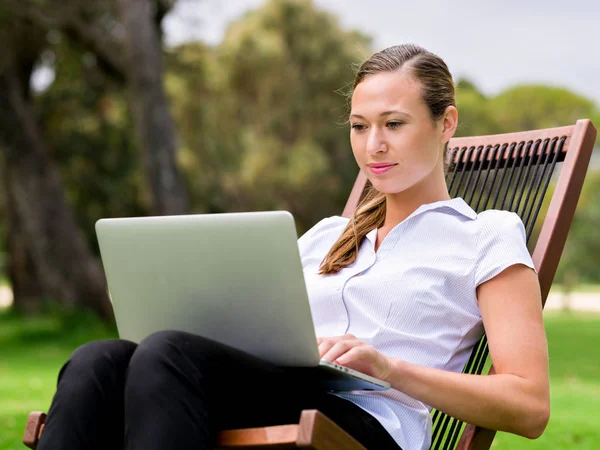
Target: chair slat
point(546, 183)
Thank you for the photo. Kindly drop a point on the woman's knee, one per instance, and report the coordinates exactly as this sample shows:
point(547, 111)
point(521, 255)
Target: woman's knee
point(105, 359)
point(94, 353)
point(165, 350)
point(158, 346)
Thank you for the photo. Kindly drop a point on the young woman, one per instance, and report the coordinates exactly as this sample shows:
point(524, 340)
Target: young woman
point(401, 291)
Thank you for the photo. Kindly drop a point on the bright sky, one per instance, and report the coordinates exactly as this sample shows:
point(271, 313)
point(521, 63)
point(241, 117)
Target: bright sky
point(495, 44)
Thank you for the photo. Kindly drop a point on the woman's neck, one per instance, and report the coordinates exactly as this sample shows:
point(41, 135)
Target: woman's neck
point(400, 206)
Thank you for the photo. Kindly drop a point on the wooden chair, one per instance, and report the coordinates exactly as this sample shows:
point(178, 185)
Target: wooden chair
point(507, 171)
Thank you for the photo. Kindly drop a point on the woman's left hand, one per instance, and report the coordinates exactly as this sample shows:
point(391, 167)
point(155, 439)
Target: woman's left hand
point(348, 351)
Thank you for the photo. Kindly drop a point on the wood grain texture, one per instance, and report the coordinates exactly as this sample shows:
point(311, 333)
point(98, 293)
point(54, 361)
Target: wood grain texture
point(276, 437)
point(34, 428)
point(318, 432)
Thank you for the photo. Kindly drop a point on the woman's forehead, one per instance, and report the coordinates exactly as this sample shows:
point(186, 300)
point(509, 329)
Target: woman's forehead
point(386, 91)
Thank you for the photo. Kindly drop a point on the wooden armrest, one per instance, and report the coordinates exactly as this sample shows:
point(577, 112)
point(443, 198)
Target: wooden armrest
point(315, 431)
point(34, 428)
point(476, 438)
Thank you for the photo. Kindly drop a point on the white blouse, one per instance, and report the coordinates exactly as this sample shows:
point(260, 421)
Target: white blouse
point(415, 298)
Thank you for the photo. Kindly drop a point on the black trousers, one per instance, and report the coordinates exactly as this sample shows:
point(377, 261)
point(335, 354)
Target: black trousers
point(176, 391)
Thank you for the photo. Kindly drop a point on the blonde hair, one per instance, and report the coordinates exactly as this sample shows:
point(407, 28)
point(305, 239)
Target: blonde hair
point(437, 89)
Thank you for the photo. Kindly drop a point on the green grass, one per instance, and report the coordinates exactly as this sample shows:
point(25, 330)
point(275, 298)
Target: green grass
point(575, 386)
point(31, 353)
point(33, 350)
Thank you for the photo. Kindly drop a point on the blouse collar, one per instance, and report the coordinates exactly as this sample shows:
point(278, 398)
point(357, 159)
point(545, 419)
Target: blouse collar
point(443, 206)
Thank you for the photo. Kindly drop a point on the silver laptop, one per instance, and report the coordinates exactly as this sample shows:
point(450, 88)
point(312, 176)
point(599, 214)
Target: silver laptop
point(233, 278)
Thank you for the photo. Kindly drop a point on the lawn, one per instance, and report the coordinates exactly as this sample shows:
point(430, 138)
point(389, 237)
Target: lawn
point(32, 351)
point(575, 386)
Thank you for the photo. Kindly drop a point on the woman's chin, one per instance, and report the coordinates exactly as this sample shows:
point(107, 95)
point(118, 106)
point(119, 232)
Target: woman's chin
point(388, 188)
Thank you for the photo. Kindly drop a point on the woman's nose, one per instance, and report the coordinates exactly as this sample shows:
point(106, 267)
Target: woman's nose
point(375, 142)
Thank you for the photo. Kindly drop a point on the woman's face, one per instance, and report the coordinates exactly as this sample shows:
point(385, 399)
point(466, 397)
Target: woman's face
point(393, 138)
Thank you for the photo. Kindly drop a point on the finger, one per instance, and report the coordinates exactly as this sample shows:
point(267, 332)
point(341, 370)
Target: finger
point(354, 354)
point(368, 360)
point(326, 343)
point(339, 349)
point(325, 346)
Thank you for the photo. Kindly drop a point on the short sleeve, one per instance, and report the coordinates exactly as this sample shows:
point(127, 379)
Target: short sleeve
point(501, 244)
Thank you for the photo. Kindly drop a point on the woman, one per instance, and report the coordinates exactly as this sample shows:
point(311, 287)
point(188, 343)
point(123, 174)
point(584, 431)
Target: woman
point(402, 292)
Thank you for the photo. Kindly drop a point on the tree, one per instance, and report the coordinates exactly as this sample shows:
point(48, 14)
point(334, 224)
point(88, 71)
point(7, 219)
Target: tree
point(519, 108)
point(528, 107)
point(476, 116)
point(47, 252)
point(90, 136)
point(153, 122)
point(274, 136)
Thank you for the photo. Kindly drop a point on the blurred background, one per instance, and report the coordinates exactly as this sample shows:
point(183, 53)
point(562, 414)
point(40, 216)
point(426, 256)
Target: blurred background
point(144, 107)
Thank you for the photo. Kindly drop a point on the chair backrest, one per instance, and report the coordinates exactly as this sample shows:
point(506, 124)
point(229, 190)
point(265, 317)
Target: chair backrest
point(512, 172)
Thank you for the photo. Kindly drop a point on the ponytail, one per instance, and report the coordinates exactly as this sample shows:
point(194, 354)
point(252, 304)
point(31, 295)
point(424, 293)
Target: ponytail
point(369, 214)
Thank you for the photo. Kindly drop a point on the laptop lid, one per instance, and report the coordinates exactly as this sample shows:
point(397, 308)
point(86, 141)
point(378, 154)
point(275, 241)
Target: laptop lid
point(235, 278)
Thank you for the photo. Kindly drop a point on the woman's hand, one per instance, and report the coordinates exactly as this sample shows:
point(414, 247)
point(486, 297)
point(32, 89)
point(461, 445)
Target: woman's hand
point(348, 351)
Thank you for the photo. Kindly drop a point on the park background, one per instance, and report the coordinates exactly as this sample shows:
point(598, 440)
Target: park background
point(205, 106)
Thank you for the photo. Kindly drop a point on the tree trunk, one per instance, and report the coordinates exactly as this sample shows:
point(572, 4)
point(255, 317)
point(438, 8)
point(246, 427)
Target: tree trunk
point(45, 241)
point(154, 125)
point(20, 267)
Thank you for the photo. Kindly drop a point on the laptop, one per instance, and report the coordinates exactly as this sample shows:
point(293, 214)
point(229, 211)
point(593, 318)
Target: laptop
point(235, 278)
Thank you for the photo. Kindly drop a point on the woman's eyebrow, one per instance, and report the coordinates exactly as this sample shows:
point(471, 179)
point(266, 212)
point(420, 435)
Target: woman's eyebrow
point(383, 114)
point(395, 111)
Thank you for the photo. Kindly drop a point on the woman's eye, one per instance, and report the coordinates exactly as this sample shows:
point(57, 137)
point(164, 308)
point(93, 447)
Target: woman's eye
point(394, 125)
point(357, 127)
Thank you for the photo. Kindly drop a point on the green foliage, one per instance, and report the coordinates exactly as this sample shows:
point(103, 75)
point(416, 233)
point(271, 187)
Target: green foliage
point(476, 116)
point(89, 133)
point(529, 107)
point(260, 119)
point(268, 134)
point(581, 257)
point(519, 108)
point(209, 140)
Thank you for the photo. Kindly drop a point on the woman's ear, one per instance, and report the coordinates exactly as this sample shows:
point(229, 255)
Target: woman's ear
point(449, 123)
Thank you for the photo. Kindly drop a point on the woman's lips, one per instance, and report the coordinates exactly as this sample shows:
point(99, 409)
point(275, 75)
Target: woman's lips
point(379, 169)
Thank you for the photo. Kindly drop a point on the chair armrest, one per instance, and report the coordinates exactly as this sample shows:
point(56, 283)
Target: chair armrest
point(319, 432)
point(34, 428)
point(476, 438)
point(315, 431)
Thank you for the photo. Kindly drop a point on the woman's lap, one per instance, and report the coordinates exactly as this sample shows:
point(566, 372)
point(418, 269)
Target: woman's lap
point(174, 377)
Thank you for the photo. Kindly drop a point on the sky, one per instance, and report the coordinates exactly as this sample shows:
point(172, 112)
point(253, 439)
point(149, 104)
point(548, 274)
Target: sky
point(494, 44)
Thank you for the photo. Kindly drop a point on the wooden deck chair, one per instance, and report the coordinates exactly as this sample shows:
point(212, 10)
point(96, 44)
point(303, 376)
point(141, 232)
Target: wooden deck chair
point(506, 171)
